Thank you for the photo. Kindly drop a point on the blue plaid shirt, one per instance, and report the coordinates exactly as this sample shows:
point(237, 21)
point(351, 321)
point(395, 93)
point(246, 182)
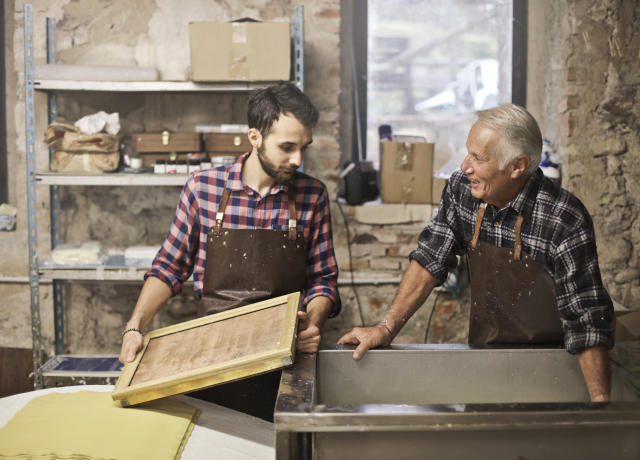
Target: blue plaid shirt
point(557, 233)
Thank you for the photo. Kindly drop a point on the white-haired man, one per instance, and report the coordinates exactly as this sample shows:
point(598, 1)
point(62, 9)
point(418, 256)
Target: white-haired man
point(530, 246)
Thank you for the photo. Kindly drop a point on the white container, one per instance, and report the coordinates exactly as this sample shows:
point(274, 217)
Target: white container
point(160, 168)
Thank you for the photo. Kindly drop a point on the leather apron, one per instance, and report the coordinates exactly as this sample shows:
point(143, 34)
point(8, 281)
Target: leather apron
point(512, 297)
point(244, 266)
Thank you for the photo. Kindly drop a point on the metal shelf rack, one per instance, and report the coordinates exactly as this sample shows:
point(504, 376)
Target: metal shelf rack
point(54, 181)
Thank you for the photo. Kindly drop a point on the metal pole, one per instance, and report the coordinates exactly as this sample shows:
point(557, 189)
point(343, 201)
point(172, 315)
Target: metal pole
point(297, 39)
point(297, 42)
point(30, 120)
point(54, 194)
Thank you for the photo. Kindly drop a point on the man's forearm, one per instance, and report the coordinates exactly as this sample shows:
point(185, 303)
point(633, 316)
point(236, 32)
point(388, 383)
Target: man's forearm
point(319, 309)
point(417, 283)
point(597, 372)
point(154, 294)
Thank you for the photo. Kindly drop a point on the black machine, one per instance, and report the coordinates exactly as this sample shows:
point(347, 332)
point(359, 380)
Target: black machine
point(359, 183)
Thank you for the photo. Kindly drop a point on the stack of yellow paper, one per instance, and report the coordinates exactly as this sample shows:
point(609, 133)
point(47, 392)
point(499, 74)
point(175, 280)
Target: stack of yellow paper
point(89, 425)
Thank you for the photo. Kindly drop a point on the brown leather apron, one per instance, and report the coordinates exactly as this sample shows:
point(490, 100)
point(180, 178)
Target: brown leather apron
point(512, 297)
point(244, 266)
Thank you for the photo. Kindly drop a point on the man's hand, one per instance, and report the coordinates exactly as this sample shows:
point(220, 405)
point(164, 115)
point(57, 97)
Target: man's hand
point(131, 344)
point(366, 338)
point(308, 334)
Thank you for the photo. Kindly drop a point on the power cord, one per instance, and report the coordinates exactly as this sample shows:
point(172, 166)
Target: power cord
point(433, 309)
point(353, 284)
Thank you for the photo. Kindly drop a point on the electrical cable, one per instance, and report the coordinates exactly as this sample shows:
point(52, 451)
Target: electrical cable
point(435, 303)
point(353, 284)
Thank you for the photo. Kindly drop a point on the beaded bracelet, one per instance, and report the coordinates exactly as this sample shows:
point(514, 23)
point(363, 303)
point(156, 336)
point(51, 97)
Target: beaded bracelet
point(131, 330)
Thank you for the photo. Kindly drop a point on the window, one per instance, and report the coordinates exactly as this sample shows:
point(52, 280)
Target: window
point(432, 63)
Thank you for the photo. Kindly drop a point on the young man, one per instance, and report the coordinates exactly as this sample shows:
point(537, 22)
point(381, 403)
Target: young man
point(238, 207)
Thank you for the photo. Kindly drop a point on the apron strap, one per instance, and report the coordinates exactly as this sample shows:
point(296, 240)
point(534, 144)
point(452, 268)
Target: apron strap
point(518, 251)
point(221, 208)
point(479, 217)
point(292, 213)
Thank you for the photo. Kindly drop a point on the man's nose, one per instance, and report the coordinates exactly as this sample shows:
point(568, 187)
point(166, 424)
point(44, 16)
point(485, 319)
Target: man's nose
point(296, 159)
point(466, 166)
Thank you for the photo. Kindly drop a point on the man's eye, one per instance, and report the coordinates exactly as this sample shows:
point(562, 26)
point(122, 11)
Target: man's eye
point(286, 149)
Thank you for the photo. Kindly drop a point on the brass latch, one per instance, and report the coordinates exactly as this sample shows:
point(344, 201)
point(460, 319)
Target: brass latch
point(237, 141)
point(165, 137)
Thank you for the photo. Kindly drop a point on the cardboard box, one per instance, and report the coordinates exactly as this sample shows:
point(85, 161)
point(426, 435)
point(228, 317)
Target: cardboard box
point(166, 142)
point(437, 186)
point(628, 327)
point(406, 172)
point(240, 51)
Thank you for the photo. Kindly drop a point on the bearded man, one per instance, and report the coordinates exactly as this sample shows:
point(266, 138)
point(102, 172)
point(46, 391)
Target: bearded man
point(253, 201)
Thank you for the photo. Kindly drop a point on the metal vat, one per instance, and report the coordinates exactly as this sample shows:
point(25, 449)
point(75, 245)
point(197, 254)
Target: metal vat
point(451, 402)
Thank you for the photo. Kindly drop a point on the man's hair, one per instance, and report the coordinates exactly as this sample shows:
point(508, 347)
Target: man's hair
point(517, 134)
point(267, 104)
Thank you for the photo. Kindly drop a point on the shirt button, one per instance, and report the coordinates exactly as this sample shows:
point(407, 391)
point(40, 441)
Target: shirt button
point(496, 224)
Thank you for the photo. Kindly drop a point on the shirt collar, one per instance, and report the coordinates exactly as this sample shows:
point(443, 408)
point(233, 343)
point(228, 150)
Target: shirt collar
point(525, 199)
point(235, 182)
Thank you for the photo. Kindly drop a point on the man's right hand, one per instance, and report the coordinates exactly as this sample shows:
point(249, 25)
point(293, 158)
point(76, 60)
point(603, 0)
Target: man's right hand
point(366, 338)
point(131, 344)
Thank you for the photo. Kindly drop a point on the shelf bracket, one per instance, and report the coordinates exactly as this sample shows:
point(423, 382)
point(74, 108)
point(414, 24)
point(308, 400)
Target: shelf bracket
point(30, 119)
point(54, 195)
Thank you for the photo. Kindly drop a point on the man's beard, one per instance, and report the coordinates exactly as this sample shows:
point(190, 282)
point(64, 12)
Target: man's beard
point(278, 173)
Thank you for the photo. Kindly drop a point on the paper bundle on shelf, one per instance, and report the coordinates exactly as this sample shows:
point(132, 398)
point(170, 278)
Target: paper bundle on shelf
point(141, 256)
point(83, 253)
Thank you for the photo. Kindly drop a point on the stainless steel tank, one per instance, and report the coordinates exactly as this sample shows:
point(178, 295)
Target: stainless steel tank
point(451, 402)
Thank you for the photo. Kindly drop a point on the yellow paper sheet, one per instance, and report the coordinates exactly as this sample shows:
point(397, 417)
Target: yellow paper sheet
point(89, 425)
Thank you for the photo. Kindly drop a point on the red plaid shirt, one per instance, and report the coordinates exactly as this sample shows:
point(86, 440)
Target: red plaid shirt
point(183, 252)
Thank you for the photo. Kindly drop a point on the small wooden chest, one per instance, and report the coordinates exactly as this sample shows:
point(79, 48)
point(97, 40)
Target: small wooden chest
point(227, 143)
point(166, 142)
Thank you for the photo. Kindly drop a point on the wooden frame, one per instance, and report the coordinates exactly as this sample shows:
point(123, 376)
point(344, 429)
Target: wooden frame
point(216, 374)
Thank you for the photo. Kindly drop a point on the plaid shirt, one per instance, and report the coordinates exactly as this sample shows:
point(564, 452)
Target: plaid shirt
point(557, 232)
point(183, 252)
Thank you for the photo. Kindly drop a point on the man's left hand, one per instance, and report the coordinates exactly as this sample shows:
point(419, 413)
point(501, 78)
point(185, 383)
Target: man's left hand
point(308, 334)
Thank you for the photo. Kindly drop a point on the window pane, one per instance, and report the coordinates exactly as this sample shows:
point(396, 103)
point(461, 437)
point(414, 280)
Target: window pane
point(432, 63)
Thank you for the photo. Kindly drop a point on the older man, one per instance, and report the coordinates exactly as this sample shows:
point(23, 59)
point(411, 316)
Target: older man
point(531, 250)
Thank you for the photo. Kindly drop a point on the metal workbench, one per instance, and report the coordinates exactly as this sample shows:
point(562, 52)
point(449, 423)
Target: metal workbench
point(451, 402)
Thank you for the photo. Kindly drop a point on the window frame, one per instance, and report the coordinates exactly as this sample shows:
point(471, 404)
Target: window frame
point(355, 32)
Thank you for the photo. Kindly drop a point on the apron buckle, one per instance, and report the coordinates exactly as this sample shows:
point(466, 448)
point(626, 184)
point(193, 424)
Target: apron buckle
point(292, 229)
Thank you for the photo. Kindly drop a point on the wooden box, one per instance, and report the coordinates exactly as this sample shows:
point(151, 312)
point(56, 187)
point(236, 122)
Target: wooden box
point(406, 172)
point(227, 143)
point(150, 159)
point(213, 350)
point(166, 142)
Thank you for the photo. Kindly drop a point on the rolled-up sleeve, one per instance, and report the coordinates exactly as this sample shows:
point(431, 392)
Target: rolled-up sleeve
point(584, 304)
point(322, 267)
point(175, 261)
point(440, 241)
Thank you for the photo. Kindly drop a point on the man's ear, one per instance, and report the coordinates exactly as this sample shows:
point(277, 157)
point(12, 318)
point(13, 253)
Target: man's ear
point(255, 138)
point(519, 166)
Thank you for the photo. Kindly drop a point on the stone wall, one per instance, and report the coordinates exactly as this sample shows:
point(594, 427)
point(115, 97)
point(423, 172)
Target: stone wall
point(591, 113)
point(585, 101)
